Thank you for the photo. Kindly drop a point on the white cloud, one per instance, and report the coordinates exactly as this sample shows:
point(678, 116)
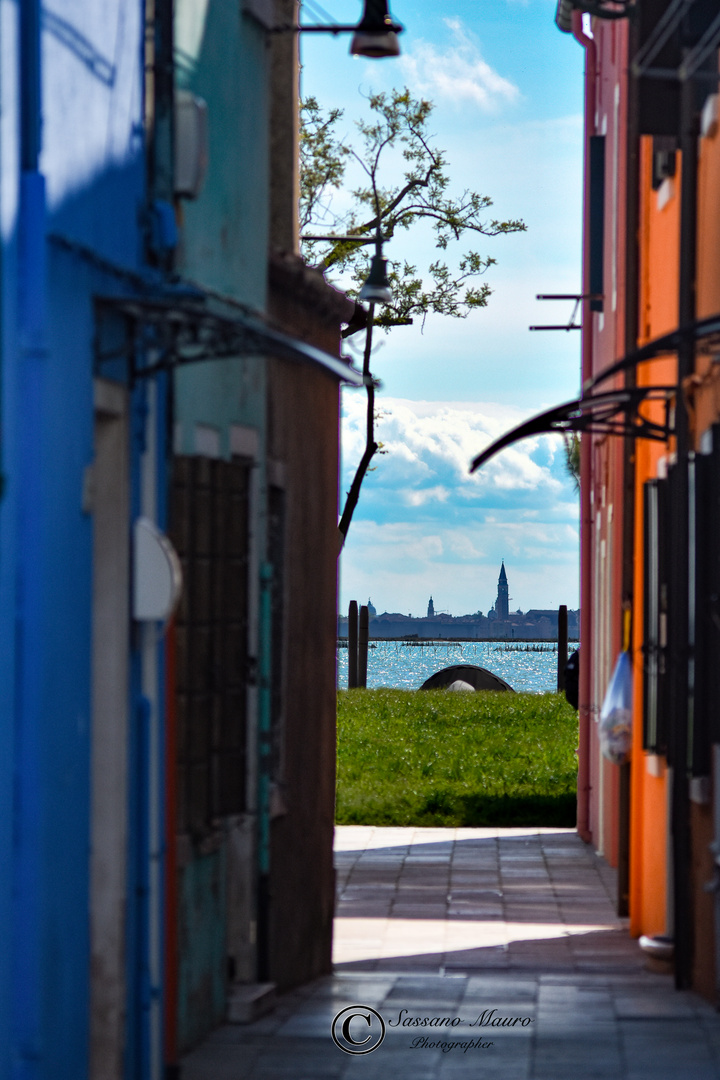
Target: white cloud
point(458, 73)
point(424, 526)
point(428, 447)
point(420, 498)
point(400, 564)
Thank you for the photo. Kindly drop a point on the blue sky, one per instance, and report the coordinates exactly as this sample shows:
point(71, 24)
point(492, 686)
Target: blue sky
point(507, 90)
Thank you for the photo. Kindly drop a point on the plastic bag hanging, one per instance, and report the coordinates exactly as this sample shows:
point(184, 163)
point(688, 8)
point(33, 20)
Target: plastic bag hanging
point(616, 713)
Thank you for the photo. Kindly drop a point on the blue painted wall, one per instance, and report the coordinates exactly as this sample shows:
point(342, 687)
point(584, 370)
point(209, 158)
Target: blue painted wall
point(88, 185)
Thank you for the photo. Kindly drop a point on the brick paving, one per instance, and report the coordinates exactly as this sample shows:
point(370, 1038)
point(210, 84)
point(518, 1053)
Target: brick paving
point(448, 924)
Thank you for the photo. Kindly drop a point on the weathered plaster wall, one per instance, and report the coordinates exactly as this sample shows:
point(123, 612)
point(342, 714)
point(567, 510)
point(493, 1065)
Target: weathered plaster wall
point(303, 437)
point(303, 423)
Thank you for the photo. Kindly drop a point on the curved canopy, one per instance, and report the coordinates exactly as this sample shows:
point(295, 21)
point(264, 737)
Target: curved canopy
point(603, 413)
point(191, 327)
point(613, 413)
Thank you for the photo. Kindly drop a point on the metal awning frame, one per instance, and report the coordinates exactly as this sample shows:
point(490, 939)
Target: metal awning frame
point(614, 413)
point(641, 65)
point(705, 333)
point(185, 329)
point(602, 413)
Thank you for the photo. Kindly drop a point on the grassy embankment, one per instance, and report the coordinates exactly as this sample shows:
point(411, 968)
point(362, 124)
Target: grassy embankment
point(444, 758)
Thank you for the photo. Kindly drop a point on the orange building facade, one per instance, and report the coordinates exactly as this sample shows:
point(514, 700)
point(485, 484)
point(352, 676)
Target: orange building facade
point(651, 267)
point(649, 423)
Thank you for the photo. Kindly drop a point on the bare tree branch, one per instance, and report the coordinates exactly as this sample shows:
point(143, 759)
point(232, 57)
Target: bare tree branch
point(398, 122)
point(371, 446)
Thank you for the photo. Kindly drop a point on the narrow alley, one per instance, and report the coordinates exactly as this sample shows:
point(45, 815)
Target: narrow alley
point(445, 932)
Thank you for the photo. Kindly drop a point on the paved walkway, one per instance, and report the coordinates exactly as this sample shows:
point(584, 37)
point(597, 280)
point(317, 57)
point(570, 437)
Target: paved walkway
point(462, 928)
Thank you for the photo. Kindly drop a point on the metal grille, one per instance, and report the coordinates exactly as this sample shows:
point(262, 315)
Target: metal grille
point(209, 527)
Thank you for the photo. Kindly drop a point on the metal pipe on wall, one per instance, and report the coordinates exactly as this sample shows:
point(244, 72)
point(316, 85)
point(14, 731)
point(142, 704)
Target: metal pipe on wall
point(264, 766)
point(680, 687)
point(583, 790)
point(630, 329)
point(29, 919)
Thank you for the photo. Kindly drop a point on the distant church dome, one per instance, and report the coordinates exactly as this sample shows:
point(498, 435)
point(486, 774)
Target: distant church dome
point(372, 613)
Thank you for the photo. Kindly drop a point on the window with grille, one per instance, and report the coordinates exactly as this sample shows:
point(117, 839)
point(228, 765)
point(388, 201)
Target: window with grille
point(210, 529)
point(655, 616)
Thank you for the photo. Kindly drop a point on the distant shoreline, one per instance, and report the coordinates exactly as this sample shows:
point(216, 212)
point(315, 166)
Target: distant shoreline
point(416, 640)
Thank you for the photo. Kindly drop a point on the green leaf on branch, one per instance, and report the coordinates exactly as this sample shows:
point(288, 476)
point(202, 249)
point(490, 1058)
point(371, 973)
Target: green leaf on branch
point(399, 122)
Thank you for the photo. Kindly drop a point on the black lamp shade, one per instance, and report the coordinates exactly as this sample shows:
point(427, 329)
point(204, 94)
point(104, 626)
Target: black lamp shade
point(377, 286)
point(376, 33)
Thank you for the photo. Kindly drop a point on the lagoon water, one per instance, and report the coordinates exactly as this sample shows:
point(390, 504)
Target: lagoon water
point(528, 666)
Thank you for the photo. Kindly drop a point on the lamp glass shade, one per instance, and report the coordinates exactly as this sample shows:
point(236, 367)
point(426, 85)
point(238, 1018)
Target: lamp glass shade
point(375, 46)
point(377, 287)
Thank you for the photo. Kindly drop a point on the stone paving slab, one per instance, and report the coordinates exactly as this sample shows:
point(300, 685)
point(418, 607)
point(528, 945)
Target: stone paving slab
point(476, 926)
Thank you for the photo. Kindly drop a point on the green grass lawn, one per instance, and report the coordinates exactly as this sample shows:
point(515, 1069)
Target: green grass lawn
point(443, 758)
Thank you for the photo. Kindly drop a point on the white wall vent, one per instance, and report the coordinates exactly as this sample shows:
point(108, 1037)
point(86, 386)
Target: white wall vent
point(191, 144)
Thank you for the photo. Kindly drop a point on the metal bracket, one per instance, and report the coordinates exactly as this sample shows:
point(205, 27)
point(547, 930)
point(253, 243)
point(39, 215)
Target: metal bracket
point(577, 297)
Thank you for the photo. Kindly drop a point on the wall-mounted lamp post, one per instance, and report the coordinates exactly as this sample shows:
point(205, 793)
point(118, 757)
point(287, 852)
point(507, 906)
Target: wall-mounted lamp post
point(374, 36)
point(376, 289)
point(600, 9)
point(376, 33)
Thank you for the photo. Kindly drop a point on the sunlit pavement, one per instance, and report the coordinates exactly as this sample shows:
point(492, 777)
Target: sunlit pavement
point(447, 925)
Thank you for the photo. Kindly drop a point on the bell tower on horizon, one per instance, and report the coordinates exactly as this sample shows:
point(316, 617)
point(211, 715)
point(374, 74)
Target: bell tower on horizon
point(502, 604)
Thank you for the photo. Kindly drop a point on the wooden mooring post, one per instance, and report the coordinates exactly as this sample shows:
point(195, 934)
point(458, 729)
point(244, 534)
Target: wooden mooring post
point(562, 647)
point(363, 637)
point(352, 645)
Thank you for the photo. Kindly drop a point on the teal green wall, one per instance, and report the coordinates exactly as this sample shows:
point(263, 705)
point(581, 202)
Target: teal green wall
point(221, 56)
point(201, 997)
point(219, 393)
point(225, 231)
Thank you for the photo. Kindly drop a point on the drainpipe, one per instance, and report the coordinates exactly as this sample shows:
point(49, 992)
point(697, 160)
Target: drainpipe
point(681, 681)
point(583, 809)
point(27, 1049)
point(264, 766)
point(630, 332)
point(171, 906)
